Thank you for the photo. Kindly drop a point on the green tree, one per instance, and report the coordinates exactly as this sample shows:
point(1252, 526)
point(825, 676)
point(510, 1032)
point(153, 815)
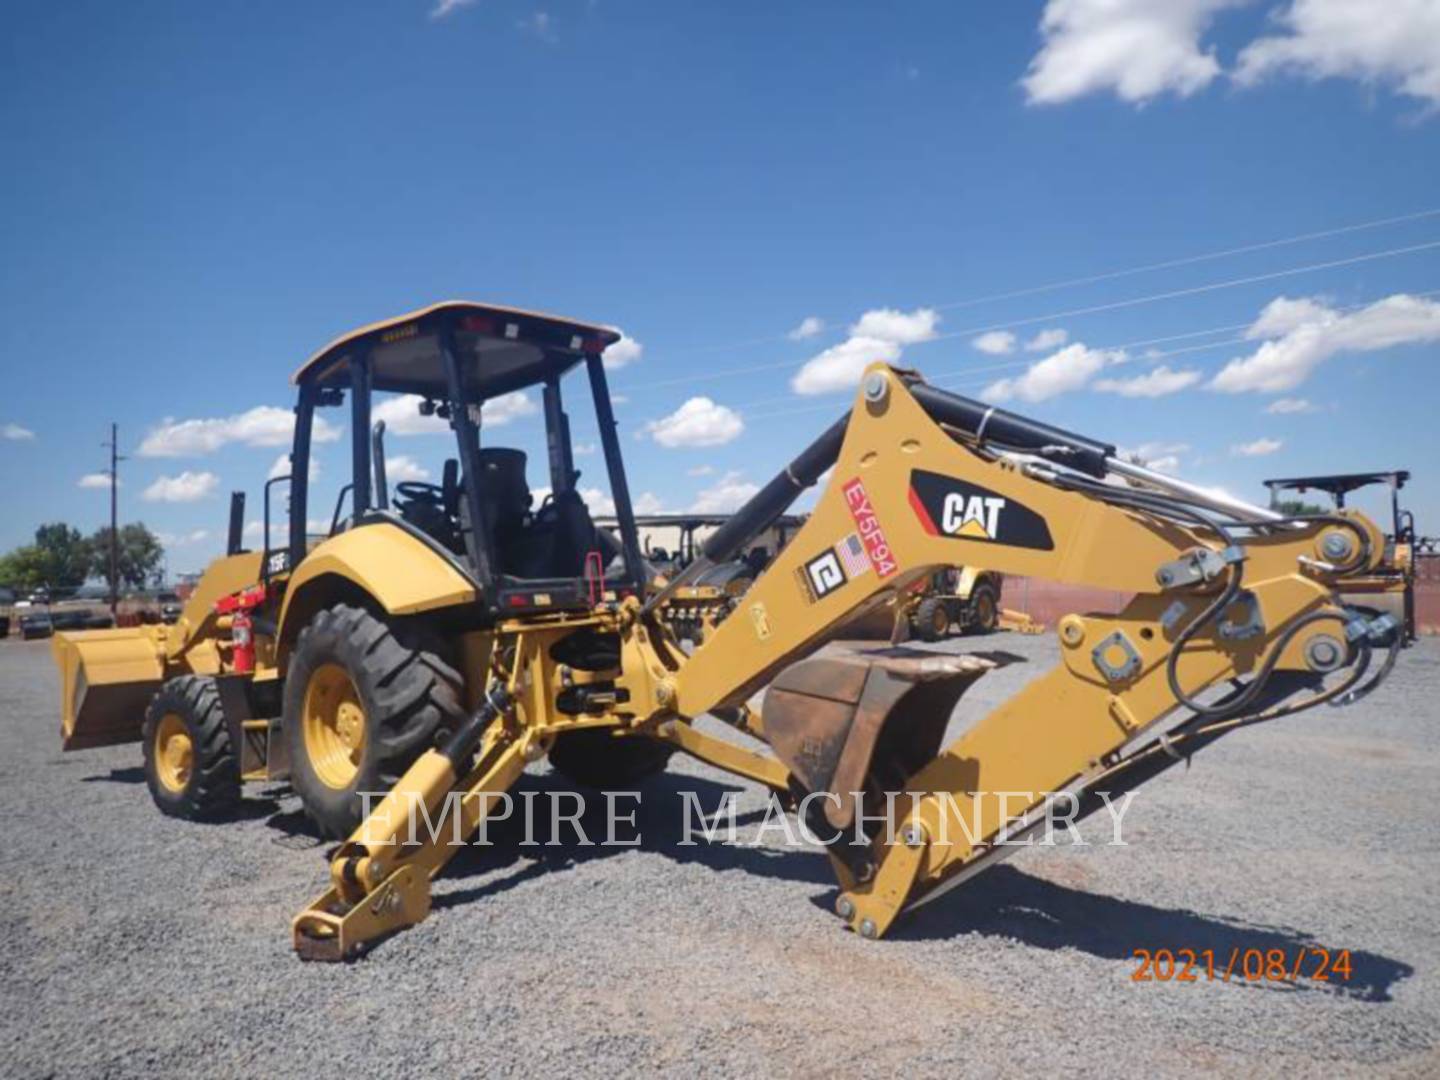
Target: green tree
point(1299, 508)
point(22, 568)
point(139, 556)
point(59, 558)
point(64, 555)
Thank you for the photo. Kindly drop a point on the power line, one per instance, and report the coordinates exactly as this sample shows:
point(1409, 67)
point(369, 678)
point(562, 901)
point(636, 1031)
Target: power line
point(1191, 260)
point(966, 373)
point(1110, 275)
point(1055, 316)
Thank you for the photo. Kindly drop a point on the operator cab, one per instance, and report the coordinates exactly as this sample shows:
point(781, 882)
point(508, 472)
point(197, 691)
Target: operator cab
point(448, 362)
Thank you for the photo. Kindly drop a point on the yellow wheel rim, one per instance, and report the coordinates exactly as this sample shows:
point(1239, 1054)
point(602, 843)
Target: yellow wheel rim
point(940, 621)
point(334, 724)
point(174, 753)
point(985, 610)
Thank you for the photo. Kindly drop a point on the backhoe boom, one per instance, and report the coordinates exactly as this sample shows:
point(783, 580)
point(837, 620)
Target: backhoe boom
point(921, 480)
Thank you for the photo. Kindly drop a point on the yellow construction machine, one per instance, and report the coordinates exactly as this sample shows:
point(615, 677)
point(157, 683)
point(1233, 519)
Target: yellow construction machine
point(697, 608)
point(957, 598)
point(454, 635)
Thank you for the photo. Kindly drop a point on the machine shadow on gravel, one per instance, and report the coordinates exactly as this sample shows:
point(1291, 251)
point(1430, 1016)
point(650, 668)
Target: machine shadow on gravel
point(247, 809)
point(1007, 902)
point(131, 774)
point(659, 823)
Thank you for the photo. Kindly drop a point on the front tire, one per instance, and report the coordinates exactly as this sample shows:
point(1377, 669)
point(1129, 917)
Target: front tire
point(190, 764)
point(363, 698)
point(932, 619)
point(984, 609)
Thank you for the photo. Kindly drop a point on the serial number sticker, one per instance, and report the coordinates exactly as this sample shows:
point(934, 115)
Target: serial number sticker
point(1241, 965)
point(761, 618)
point(872, 533)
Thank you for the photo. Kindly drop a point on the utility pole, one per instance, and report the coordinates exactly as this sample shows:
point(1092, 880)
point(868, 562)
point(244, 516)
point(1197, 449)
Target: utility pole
point(115, 459)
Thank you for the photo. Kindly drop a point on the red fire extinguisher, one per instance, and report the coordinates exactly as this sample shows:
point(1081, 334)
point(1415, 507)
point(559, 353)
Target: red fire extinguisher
point(240, 608)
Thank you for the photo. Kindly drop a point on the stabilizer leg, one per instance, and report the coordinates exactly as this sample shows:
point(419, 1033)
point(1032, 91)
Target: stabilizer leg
point(380, 877)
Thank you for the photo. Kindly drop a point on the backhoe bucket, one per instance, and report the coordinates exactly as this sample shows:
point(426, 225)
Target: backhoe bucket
point(107, 678)
point(864, 721)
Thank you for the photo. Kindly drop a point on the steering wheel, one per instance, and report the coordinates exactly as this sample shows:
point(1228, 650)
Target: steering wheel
point(416, 492)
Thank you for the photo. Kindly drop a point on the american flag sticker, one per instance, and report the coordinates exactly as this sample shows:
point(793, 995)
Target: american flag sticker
point(852, 555)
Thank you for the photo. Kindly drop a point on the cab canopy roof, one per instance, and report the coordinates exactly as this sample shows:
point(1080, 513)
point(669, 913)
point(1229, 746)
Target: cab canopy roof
point(1339, 484)
point(500, 349)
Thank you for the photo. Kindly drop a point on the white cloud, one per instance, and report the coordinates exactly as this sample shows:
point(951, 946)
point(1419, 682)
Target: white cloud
point(264, 425)
point(901, 327)
point(995, 342)
point(1286, 406)
point(599, 502)
point(728, 493)
point(1138, 49)
point(701, 470)
point(1259, 448)
point(281, 467)
point(1071, 368)
point(647, 503)
point(448, 7)
point(15, 432)
point(96, 480)
point(1284, 314)
point(625, 351)
point(401, 413)
point(539, 23)
point(699, 422)
point(187, 487)
point(839, 367)
point(1154, 383)
point(170, 540)
point(880, 334)
point(507, 407)
point(808, 328)
point(1309, 333)
point(583, 449)
point(1160, 456)
point(403, 467)
point(1052, 338)
point(1393, 43)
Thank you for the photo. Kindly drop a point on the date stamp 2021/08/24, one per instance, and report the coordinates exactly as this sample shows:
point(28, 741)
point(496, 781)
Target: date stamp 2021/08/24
point(1241, 965)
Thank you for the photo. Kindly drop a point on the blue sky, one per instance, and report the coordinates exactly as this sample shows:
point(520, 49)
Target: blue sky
point(198, 196)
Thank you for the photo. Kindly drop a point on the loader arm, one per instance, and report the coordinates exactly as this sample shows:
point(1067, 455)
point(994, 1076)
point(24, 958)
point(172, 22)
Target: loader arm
point(920, 479)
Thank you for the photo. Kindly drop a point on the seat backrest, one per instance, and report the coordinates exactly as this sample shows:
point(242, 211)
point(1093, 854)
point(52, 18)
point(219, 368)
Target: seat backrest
point(573, 535)
point(503, 487)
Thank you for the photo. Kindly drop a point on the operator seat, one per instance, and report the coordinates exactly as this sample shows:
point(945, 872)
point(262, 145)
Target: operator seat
point(567, 534)
point(505, 501)
point(552, 542)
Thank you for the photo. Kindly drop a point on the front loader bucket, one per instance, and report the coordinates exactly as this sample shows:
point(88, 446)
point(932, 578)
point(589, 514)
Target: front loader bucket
point(107, 678)
point(864, 721)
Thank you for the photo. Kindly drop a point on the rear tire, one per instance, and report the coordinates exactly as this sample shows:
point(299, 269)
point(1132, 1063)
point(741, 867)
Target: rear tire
point(984, 608)
point(363, 699)
point(190, 764)
point(932, 619)
point(595, 758)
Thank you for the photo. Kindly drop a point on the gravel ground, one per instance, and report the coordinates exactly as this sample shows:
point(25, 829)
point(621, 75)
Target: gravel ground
point(135, 944)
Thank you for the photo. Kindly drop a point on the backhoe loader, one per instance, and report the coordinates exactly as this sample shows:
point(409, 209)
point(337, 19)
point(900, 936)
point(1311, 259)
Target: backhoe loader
point(451, 636)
